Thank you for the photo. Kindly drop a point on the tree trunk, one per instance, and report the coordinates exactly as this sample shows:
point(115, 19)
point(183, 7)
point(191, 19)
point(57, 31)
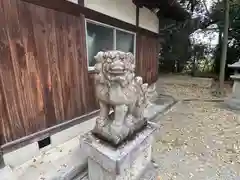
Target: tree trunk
point(193, 65)
point(224, 48)
point(218, 54)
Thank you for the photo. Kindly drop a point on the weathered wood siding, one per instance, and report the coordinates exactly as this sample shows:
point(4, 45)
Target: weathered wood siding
point(43, 69)
point(147, 49)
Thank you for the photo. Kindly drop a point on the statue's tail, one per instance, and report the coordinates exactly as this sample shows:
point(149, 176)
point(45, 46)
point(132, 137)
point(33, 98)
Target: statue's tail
point(152, 92)
point(143, 87)
point(148, 93)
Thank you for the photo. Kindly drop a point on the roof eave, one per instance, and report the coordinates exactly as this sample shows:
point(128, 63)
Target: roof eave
point(168, 9)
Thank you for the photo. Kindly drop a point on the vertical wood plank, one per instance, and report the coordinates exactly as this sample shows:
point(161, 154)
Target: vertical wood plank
point(147, 58)
point(41, 35)
point(52, 52)
point(77, 68)
point(6, 129)
point(30, 77)
point(68, 60)
point(60, 21)
point(82, 70)
point(6, 133)
point(82, 54)
point(11, 72)
point(73, 65)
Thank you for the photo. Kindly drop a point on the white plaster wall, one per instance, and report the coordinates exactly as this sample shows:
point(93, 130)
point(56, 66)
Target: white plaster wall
point(123, 10)
point(148, 20)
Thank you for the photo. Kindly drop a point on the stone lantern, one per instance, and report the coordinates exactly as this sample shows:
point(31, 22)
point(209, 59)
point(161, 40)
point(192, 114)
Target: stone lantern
point(234, 100)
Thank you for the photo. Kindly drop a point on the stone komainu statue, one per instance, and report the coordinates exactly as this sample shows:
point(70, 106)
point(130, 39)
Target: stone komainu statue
point(122, 96)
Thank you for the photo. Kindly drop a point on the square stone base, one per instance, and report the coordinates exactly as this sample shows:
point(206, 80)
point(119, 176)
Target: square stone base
point(233, 103)
point(127, 162)
point(1, 160)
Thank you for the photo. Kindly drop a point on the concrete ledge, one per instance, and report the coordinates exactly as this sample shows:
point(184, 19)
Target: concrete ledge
point(77, 130)
point(82, 176)
point(61, 163)
point(62, 160)
point(35, 137)
point(21, 155)
point(73, 1)
point(158, 106)
point(6, 173)
point(232, 103)
point(28, 152)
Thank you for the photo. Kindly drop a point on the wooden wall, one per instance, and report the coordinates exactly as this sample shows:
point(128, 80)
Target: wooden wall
point(43, 69)
point(147, 49)
point(44, 80)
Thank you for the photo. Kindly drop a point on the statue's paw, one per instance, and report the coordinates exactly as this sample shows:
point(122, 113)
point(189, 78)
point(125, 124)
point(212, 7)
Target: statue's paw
point(116, 129)
point(101, 121)
point(129, 121)
point(119, 132)
point(116, 139)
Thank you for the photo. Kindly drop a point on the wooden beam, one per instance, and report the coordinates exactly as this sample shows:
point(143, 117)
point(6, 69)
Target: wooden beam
point(13, 145)
point(81, 2)
point(137, 17)
point(76, 10)
point(58, 5)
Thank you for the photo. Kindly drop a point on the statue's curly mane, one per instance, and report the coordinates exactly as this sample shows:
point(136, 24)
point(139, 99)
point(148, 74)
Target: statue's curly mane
point(124, 61)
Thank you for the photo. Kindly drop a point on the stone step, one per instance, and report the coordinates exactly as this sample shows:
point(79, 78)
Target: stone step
point(81, 176)
point(149, 174)
point(6, 173)
point(61, 163)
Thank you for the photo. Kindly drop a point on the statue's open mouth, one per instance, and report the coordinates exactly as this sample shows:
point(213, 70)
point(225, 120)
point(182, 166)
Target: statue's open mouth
point(117, 70)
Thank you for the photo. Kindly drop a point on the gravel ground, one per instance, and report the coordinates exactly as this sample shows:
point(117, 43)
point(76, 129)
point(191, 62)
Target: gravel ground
point(197, 140)
point(185, 87)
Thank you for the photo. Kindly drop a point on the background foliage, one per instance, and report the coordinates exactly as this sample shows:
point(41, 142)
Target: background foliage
point(183, 52)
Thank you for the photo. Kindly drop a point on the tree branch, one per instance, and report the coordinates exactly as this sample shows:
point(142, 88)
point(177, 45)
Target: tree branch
point(205, 5)
point(167, 27)
point(206, 24)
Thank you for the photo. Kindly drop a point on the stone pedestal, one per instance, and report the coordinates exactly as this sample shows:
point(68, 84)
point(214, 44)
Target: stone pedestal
point(120, 145)
point(234, 100)
point(1, 160)
point(127, 162)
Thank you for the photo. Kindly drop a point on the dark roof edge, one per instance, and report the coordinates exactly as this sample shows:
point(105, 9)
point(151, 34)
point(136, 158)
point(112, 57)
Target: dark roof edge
point(167, 8)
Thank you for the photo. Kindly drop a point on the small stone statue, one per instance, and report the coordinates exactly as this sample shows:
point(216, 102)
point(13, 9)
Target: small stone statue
point(122, 97)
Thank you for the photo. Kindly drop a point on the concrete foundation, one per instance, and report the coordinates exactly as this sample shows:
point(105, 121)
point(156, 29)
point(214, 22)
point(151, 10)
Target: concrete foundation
point(6, 173)
point(130, 161)
point(233, 103)
point(234, 100)
point(1, 160)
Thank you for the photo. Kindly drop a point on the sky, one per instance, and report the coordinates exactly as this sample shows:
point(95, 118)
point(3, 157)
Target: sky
point(211, 37)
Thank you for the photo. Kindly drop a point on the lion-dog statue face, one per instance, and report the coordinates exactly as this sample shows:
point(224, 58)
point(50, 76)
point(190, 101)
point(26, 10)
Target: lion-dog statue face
point(115, 66)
